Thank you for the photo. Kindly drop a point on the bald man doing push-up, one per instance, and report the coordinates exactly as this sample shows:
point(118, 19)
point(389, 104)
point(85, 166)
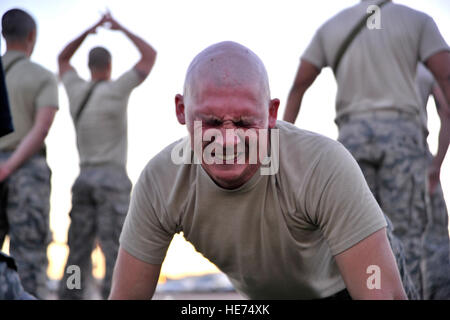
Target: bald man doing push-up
point(298, 222)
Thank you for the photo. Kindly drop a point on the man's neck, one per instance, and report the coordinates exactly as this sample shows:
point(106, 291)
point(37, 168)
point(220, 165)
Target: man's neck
point(94, 79)
point(99, 76)
point(17, 47)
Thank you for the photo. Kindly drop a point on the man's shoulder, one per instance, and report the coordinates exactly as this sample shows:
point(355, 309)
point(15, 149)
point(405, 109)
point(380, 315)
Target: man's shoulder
point(166, 164)
point(127, 82)
point(408, 10)
point(352, 14)
point(23, 65)
point(40, 71)
point(302, 151)
point(345, 15)
point(307, 160)
point(70, 76)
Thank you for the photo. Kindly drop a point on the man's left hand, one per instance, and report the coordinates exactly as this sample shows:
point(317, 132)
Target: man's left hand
point(5, 172)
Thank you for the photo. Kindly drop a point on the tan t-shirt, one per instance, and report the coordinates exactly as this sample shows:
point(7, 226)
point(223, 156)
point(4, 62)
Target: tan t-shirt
point(29, 87)
point(102, 127)
point(275, 236)
point(378, 69)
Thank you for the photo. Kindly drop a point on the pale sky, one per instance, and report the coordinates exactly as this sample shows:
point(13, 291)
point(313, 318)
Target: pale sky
point(278, 31)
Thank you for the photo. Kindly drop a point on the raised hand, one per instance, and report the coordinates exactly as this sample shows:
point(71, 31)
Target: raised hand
point(68, 51)
point(113, 24)
point(101, 22)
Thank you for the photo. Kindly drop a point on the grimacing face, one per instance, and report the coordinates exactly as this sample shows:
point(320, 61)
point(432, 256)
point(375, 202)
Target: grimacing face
point(241, 108)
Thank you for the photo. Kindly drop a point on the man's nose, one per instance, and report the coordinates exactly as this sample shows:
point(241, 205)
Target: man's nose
point(228, 138)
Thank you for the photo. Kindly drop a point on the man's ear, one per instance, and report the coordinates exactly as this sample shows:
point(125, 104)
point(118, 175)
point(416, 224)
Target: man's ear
point(179, 108)
point(31, 35)
point(273, 112)
point(31, 40)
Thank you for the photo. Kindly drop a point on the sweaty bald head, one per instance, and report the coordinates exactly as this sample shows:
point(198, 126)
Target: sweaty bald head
point(226, 64)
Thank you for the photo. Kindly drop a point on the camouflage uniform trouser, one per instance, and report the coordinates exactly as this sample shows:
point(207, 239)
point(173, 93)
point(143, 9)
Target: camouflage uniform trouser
point(100, 199)
point(391, 149)
point(437, 248)
point(24, 216)
point(10, 285)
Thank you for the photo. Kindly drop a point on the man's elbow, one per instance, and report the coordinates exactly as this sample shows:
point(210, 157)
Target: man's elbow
point(303, 81)
point(41, 133)
point(154, 54)
point(298, 89)
point(445, 112)
point(150, 59)
point(145, 66)
point(439, 65)
point(42, 128)
point(62, 58)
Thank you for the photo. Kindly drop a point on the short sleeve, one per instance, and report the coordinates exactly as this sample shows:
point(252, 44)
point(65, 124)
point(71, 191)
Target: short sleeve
point(340, 203)
point(315, 52)
point(127, 82)
point(431, 40)
point(47, 95)
point(143, 235)
point(72, 83)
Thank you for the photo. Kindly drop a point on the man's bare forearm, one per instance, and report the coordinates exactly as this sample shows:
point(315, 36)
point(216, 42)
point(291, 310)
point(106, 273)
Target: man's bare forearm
point(33, 141)
point(293, 105)
point(445, 85)
point(306, 74)
point(148, 54)
point(443, 110)
point(133, 279)
point(444, 137)
point(72, 47)
point(439, 65)
point(146, 50)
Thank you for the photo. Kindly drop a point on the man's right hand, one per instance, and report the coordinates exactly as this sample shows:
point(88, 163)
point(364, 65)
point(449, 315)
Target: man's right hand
point(114, 25)
point(101, 22)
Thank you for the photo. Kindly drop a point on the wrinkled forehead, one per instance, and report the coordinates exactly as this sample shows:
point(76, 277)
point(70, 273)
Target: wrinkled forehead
point(228, 66)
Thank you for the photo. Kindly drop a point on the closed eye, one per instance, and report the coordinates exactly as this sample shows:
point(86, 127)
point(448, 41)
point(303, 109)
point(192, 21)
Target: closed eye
point(242, 123)
point(214, 123)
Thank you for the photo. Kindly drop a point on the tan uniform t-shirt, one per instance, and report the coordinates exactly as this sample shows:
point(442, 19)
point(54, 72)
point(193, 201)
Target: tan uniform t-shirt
point(29, 87)
point(275, 236)
point(378, 69)
point(102, 127)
